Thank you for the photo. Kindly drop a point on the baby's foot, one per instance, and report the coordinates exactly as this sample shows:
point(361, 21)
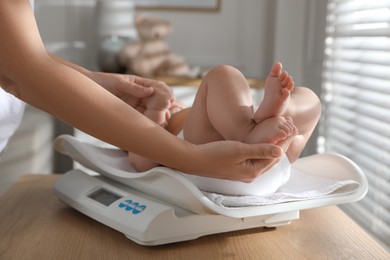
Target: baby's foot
point(278, 86)
point(272, 130)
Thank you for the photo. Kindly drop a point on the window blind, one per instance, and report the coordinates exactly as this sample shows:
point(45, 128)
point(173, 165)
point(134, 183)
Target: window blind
point(356, 99)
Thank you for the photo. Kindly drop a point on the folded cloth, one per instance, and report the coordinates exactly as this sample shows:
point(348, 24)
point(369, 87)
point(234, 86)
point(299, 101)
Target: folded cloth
point(300, 186)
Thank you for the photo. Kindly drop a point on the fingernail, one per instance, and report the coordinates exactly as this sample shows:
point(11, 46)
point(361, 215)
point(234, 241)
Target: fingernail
point(276, 152)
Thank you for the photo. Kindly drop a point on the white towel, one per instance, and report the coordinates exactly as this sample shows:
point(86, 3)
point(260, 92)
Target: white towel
point(300, 186)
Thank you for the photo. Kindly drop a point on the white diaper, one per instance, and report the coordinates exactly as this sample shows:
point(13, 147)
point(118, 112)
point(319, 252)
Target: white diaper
point(268, 182)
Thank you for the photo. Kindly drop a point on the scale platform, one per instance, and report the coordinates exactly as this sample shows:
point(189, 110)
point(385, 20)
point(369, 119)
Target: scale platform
point(161, 206)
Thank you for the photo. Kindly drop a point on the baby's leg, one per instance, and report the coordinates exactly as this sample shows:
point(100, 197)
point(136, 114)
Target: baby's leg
point(276, 94)
point(281, 98)
point(223, 110)
point(305, 110)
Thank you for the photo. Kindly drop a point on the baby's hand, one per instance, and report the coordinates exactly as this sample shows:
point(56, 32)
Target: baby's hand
point(156, 106)
point(161, 105)
point(176, 106)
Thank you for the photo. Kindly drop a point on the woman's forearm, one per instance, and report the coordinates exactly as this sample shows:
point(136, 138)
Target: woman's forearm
point(79, 101)
point(79, 68)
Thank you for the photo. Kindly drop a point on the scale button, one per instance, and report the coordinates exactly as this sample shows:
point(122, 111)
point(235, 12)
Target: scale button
point(139, 209)
point(132, 206)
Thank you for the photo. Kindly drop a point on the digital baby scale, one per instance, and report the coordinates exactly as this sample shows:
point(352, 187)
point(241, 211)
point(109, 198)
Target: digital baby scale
point(161, 206)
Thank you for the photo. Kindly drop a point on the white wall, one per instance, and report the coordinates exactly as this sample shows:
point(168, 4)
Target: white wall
point(248, 34)
point(67, 28)
point(299, 39)
point(290, 36)
point(239, 34)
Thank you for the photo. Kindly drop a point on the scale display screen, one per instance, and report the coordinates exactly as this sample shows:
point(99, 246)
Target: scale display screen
point(104, 197)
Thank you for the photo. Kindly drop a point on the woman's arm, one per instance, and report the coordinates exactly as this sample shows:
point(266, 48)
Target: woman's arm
point(136, 91)
point(174, 126)
point(27, 71)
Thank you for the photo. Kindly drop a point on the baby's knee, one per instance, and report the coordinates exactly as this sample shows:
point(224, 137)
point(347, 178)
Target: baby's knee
point(316, 101)
point(309, 96)
point(223, 77)
point(223, 71)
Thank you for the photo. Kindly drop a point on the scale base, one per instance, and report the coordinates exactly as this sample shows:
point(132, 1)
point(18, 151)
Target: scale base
point(147, 220)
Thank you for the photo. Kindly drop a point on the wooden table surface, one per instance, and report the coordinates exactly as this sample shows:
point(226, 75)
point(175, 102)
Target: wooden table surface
point(34, 224)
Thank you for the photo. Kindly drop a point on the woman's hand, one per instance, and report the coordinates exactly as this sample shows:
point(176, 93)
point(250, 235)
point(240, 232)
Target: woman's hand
point(152, 98)
point(238, 161)
point(129, 88)
point(233, 160)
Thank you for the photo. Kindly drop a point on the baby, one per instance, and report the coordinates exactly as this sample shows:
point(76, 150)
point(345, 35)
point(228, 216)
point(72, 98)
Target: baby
point(223, 110)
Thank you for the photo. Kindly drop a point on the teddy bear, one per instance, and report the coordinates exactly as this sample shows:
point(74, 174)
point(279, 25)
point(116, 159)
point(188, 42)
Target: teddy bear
point(150, 55)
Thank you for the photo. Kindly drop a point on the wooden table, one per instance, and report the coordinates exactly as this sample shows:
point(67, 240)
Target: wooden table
point(34, 224)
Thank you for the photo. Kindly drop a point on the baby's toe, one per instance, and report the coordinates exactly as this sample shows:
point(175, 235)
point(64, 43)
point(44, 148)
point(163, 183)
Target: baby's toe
point(276, 70)
point(283, 76)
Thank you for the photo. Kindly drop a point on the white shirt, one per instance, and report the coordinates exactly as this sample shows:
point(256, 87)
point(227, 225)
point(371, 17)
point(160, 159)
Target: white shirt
point(11, 113)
